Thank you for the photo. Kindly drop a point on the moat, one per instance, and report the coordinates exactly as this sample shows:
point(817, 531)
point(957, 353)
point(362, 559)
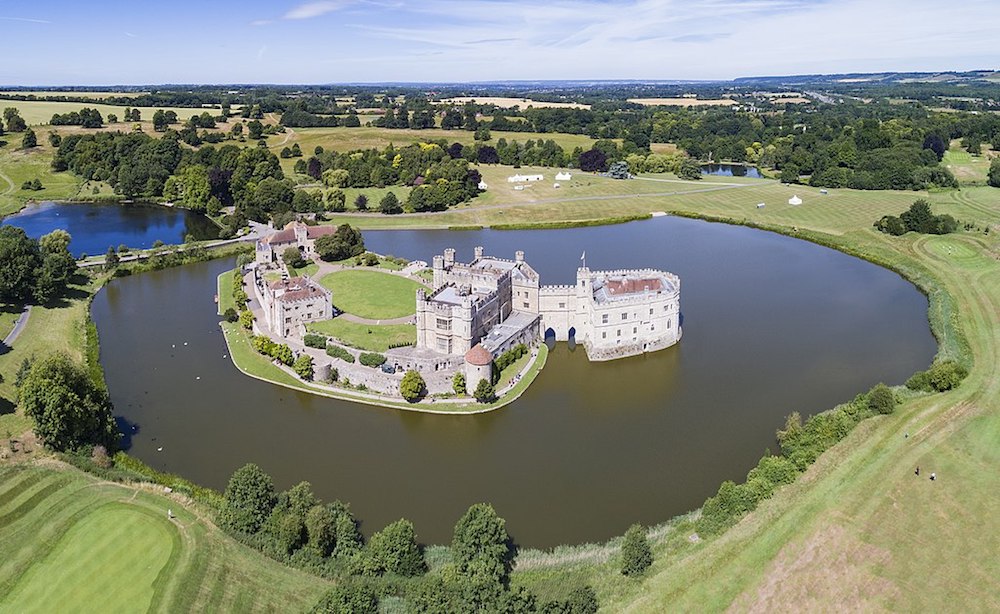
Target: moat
point(771, 325)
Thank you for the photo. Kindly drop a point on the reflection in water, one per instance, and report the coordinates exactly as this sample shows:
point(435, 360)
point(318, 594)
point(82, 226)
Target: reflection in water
point(773, 325)
point(95, 227)
point(730, 170)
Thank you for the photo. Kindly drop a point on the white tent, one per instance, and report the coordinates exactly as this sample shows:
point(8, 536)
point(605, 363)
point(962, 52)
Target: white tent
point(795, 200)
point(563, 176)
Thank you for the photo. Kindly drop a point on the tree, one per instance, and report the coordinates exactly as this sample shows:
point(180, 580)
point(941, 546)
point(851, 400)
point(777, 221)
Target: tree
point(303, 367)
point(248, 500)
point(689, 169)
point(321, 529)
point(636, 555)
point(881, 400)
point(361, 202)
point(111, 258)
point(593, 160)
point(458, 383)
point(412, 388)
point(292, 257)
point(484, 392)
point(246, 319)
point(918, 218)
point(20, 258)
point(69, 409)
point(347, 241)
point(255, 130)
point(15, 123)
point(481, 545)
point(394, 550)
point(994, 174)
point(389, 204)
point(29, 140)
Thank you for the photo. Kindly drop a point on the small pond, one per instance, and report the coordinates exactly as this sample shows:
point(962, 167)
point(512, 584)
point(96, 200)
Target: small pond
point(97, 226)
point(730, 170)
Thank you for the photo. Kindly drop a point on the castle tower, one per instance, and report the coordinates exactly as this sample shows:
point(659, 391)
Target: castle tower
point(479, 252)
point(449, 257)
point(519, 256)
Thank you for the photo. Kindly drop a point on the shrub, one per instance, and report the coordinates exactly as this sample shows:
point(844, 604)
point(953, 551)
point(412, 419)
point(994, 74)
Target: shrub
point(246, 319)
point(314, 341)
point(371, 359)
point(394, 550)
point(348, 598)
point(412, 387)
point(942, 376)
point(303, 367)
point(881, 400)
point(338, 352)
point(458, 383)
point(249, 498)
point(230, 315)
point(283, 354)
point(370, 259)
point(484, 392)
point(510, 356)
point(636, 554)
point(774, 469)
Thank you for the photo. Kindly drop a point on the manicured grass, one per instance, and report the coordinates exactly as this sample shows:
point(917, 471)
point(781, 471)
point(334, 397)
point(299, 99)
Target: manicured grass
point(309, 269)
point(8, 315)
point(371, 294)
point(968, 169)
point(224, 289)
point(375, 338)
point(74, 543)
point(512, 369)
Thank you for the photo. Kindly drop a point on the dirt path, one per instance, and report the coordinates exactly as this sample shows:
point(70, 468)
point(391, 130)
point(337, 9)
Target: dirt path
point(19, 325)
point(9, 190)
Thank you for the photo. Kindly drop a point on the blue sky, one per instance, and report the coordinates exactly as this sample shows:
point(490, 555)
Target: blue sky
point(48, 42)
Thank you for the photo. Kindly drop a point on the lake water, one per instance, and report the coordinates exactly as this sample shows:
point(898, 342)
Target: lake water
point(95, 227)
point(771, 325)
point(730, 170)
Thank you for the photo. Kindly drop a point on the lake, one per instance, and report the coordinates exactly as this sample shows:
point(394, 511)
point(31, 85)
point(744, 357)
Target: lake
point(772, 325)
point(730, 170)
point(97, 226)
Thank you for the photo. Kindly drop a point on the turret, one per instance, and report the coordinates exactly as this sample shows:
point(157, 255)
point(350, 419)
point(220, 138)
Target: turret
point(519, 256)
point(449, 257)
point(479, 252)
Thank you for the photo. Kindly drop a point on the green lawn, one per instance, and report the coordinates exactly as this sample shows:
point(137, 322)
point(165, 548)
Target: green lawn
point(18, 166)
point(309, 269)
point(372, 294)
point(74, 543)
point(374, 338)
point(968, 169)
point(225, 291)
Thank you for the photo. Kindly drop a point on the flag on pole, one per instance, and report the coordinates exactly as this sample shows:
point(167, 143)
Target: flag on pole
point(583, 259)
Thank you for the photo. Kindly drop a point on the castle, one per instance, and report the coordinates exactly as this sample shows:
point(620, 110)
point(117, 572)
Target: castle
point(295, 234)
point(483, 308)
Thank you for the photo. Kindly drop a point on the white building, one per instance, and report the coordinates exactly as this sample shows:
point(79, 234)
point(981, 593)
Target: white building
point(497, 303)
point(524, 178)
point(289, 303)
point(563, 176)
point(294, 234)
point(483, 186)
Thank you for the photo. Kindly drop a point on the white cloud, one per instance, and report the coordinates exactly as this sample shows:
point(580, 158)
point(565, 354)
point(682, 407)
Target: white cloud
point(310, 10)
point(26, 19)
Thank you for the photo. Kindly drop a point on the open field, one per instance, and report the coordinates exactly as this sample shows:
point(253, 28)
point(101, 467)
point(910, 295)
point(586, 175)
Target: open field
point(18, 166)
point(684, 102)
point(968, 169)
point(371, 294)
point(74, 543)
point(374, 338)
point(37, 112)
point(367, 137)
point(508, 103)
point(80, 94)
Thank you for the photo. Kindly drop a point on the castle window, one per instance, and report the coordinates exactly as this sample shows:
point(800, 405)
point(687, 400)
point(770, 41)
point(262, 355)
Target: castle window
point(619, 332)
point(668, 323)
point(604, 335)
point(604, 319)
point(624, 317)
point(562, 305)
point(444, 323)
point(650, 311)
point(526, 305)
point(635, 329)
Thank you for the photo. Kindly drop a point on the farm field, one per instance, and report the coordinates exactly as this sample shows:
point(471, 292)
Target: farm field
point(37, 112)
point(18, 166)
point(371, 294)
point(367, 137)
point(684, 102)
point(75, 94)
point(74, 543)
point(523, 103)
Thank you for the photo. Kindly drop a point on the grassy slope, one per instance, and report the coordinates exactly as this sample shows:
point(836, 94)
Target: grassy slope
point(18, 166)
point(372, 294)
point(72, 542)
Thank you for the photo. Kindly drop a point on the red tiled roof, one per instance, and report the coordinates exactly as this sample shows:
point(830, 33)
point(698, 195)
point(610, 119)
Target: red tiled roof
point(478, 356)
point(282, 236)
point(618, 287)
point(314, 232)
